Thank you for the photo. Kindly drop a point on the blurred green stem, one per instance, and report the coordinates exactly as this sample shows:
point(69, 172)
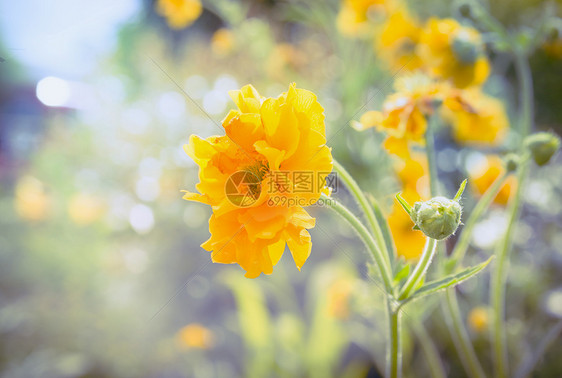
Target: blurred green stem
point(394, 358)
point(498, 284)
point(420, 269)
point(367, 238)
point(450, 306)
point(430, 152)
point(460, 335)
point(429, 349)
point(366, 208)
point(464, 239)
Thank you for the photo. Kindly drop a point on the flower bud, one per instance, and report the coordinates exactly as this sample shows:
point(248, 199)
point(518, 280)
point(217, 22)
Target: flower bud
point(511, 162)
point(465, 49)
point(437, 218)
point(542, 146)
point(465, 10)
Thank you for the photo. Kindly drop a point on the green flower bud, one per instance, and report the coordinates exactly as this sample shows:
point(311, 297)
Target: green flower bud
point(465, 50)
point(542, 146)
point(465, 10)
point(511, 162)
point(437, 218)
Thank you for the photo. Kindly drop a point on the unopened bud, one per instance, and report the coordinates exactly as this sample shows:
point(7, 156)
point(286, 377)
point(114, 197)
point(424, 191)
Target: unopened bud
point(437, 218)
point(511, 162)
point(464, 10)
point(465, 49)
point(542, 146)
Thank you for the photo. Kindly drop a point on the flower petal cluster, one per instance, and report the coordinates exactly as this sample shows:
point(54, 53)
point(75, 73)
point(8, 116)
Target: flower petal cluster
point(404, 114)
point(475, 117)
point(453, 52)
point(179, 13)
point(264, 138)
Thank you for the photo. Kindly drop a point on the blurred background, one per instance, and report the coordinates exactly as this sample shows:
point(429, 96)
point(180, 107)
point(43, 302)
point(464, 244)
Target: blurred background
point(101, 273)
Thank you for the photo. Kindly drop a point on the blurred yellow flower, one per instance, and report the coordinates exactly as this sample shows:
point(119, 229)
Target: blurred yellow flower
point(455, 52)
point(479, 319)
point(484, 175)
point(179, 13)
point(404, 114)
point(284, 56)
point(195, 335)
point(409, 243)
point(222, 42)
point(339, 294)
point(397, 40)
point(31, 201)
point(476, 118)
point(253, 178)
point(85, 208)
point(353, 17)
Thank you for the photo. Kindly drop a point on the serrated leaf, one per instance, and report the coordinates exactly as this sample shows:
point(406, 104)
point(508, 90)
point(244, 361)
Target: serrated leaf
point(449, 281)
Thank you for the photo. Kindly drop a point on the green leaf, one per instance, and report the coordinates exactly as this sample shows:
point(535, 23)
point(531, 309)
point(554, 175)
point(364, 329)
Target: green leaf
point(404, 204)
point(451, 280)
point(460, 191)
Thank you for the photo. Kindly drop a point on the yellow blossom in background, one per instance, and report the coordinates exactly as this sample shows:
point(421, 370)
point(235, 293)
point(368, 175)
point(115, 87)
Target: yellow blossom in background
point(283, 57)
point(413, 175)
point(479, 319)
point(404, 114)
point(179, 13)
point(353, 17)
point(31, 201)
point(85, 208)
point(476, 118)
point(453, 52)
point(397, 39)
point(339, 294)
point(195, 335)
point(484, 175)
point(268, 143)
point(223, 41)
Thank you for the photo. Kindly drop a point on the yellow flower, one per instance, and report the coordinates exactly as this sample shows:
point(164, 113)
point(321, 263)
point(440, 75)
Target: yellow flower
point(353, 17)
point(397, 40)
point(179, 13)
point(195, 335)
point(453, 52)
point(404, 113)
point(476, 118)
point(479, 319)
point(31, 201)
point(253, 178)
point(84, 208)
point(484, 175)
point(339, 294)
point(283, 58)
point(222, 42)
point(409, 243)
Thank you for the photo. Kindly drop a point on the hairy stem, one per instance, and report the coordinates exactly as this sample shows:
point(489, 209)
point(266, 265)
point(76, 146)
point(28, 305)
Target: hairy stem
point(420, 269)
point(366, 208)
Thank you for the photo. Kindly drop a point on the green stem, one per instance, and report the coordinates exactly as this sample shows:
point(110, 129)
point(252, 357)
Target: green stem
point(430, 350)
point(420, 269)
point(365, 207)
point(365, 235)
point(451, 307)
point(497, 288)
point(464, 239)
point(460, 335)
point(394, 358)
point(431, 161)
